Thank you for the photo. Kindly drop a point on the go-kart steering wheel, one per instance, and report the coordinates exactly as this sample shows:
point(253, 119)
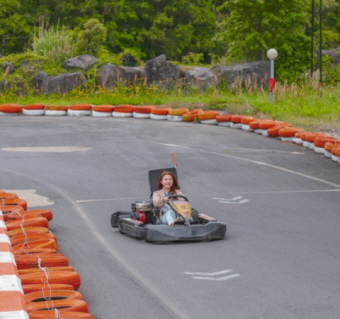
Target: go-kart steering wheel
point(175, 196)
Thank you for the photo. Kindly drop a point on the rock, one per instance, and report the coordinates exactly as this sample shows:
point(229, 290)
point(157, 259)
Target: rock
point(8, 67)
point(57, 84)
point(161, 72)
point(334, 54)
point(40, 82)
point(65, 82)
point(109, 74)
point(83, 61)
point(258, 71)
point(201, 77)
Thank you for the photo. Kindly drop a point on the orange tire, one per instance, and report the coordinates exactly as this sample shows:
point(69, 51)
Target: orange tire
point(80, 107)
point(311, 138)
point(266, 124)
point(336, 150)
point(26, 214)
point(289, 131)
point(40, 287)
point(76, 305)
point(187, 117)
point(103, 108)
point(5, 195)
point(303, 135)
point(38, 296)
point(246, 119)
point(46, 260)
point(35, 251)
point(223, 117)
point(27, 230)
point(196, 111)
point(49, 269)
point(320, 141)
point(254, 125)
point(65, 314)
point(11, 209)
point(161, 111)
point(274, 131)
point(144, 109)
point(56, 107)
point(37, 243)
point(31, 222)
point(10, 108)
point(54, 277)
point(329, 145)
point(207, 115)
point(178, 111)
point(236, 118)
point(18, 239)
point(124, 108)
point(15, 201)
point(34, 106)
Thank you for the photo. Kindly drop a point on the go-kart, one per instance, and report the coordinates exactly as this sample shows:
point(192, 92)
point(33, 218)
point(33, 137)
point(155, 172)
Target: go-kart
point(143, 221)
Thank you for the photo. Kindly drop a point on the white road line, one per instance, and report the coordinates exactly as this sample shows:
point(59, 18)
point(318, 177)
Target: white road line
point(217, 273)
point(219, 278)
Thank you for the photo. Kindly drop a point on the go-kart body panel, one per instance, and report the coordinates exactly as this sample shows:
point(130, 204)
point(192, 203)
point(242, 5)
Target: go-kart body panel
point(208, 229)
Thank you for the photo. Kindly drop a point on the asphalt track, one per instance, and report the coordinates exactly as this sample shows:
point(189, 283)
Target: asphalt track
point(281, 202)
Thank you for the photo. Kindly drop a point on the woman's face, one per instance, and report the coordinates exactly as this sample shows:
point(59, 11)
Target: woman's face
point(167, 181)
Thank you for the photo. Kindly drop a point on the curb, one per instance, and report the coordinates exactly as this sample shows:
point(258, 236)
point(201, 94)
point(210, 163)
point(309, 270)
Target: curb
point(12, 301)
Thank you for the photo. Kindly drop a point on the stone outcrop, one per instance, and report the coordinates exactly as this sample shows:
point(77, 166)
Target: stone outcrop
point(201, 77)
point(83, 62)
point(161, 72)
point(258, 71)
point(109, 74)
point(62, 83)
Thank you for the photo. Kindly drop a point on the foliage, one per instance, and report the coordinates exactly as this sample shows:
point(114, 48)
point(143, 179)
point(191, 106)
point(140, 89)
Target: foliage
point(14, 27)
point(193, 58)
point(92, 39)
point(252, 27)
point(54, 43)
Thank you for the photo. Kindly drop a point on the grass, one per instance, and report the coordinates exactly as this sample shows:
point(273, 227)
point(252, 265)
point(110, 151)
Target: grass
point(308, 106)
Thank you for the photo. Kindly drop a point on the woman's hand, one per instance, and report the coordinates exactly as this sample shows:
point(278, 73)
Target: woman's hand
point(165, 199)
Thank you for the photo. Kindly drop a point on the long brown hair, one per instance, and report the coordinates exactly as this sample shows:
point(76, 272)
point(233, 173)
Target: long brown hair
point(174, 186)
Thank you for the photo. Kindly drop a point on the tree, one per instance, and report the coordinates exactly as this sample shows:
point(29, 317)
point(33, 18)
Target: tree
point(14, 29)
point(91, 39)
point(252, 27)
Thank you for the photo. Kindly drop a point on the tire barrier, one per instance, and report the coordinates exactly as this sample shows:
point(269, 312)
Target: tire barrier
point(102, 110)
point(12, 301)
point(79, 110)
point(65, 314)
point(56, 110)
point(42, 283)
point(10, 109)
point(33, 109)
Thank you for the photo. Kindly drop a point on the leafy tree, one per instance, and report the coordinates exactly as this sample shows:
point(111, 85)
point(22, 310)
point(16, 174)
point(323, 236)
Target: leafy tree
point(92, 39)
point(252, 27)
point(14, 28)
